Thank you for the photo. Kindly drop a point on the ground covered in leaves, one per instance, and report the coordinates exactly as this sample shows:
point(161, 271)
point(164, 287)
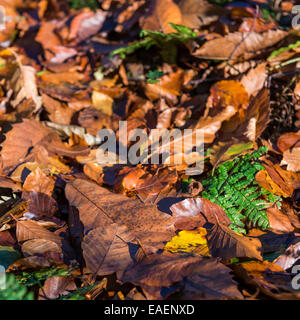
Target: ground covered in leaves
point(72, 227)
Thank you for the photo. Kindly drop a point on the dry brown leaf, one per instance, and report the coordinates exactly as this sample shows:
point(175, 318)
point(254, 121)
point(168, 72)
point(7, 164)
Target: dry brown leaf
point(39, 247)
point(28, 87)
point(197, 13)
point(289, 258)
point(58, 111)
point(255, 79)
point(279, 221)
point(239, 45)
point(291, 158)
point(99, 207)
point(211, 125)
point(195, 213)
point(226, 244)
point(39, 203)
point(37, 181)
point(288, 140)
point(226, 93)
point(160, 15)
point(29, 230)
point(110, 249)
point(86, 24)
point(168, 87)
point(205, 278)
point(56, 286)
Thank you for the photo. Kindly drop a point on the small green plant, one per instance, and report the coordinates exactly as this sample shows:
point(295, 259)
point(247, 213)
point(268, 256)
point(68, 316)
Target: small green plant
point(166, 42)
point(233, 187)
point(34, 278)
point(14, 290)
point(152, 76)
point(283, 49)
point(78, 4)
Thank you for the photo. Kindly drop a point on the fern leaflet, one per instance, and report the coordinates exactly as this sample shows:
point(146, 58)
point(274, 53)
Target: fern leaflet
point(233, 187)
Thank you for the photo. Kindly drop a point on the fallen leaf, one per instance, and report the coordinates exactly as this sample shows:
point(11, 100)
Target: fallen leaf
point(39, 247)
point(194, 213)
point(197, 13)
point(37, 181)
point(291, 158)
point(279, 221)
point(99, 207)
point(210, 278)
point(289, 258)
point(102, 102)
point(288, 140)
point(168, 87)
point(161, 13)
point(28, 230)
point(193, 242)
point(226, 244)
point(239, 46)
point(110, 249)
point(39, 203)
point(55, 286)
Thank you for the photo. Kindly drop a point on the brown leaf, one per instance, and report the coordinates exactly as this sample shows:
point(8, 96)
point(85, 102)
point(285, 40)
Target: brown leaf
point(56, 286)
point(226, 93)
point(27, 230)
point(279, 221)
point(290, 257)
point(238, 46)
point(161, 13)
point(211, 125)
point(195, 213)
point(99, 207)
point(158, 183)
point(110, 249)
point(39, 247)
point(67, 76)
point(168, 87)
point(255, 79)
point(197, 13)
point(29, 136)
point(58, 111)
point(201, 277)
point(40, 203)
point(27, 83)
point(37, 181)
point(226, 244)
point(86, 24)
point(288, 140)
point(285, 180)
point(291, 158)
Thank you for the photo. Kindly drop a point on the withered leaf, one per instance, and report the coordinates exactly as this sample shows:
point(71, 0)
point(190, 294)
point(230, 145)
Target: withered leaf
point(27, 230)
point(37, 181)
point(40, 203)
point(226, 244)
point(194, 213)
point(192, 275)
point(99, 207)
point(160, 15)
point(56, 286)
point(110, 249)
point(238, 46)
point(39, 247)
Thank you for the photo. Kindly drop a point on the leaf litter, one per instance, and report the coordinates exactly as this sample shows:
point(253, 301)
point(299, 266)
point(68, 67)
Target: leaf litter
point(73, 227)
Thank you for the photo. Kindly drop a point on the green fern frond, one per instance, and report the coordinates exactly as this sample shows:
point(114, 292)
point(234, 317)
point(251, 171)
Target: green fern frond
point(166, 42)
point(233, 187)
point(14, 290)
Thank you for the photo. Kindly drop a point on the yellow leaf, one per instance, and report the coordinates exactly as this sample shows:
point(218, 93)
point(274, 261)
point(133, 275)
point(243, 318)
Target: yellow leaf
point(189, 242)
point(102, 102)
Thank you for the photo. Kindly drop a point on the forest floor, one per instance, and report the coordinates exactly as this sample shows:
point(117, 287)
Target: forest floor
point(149, 150)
